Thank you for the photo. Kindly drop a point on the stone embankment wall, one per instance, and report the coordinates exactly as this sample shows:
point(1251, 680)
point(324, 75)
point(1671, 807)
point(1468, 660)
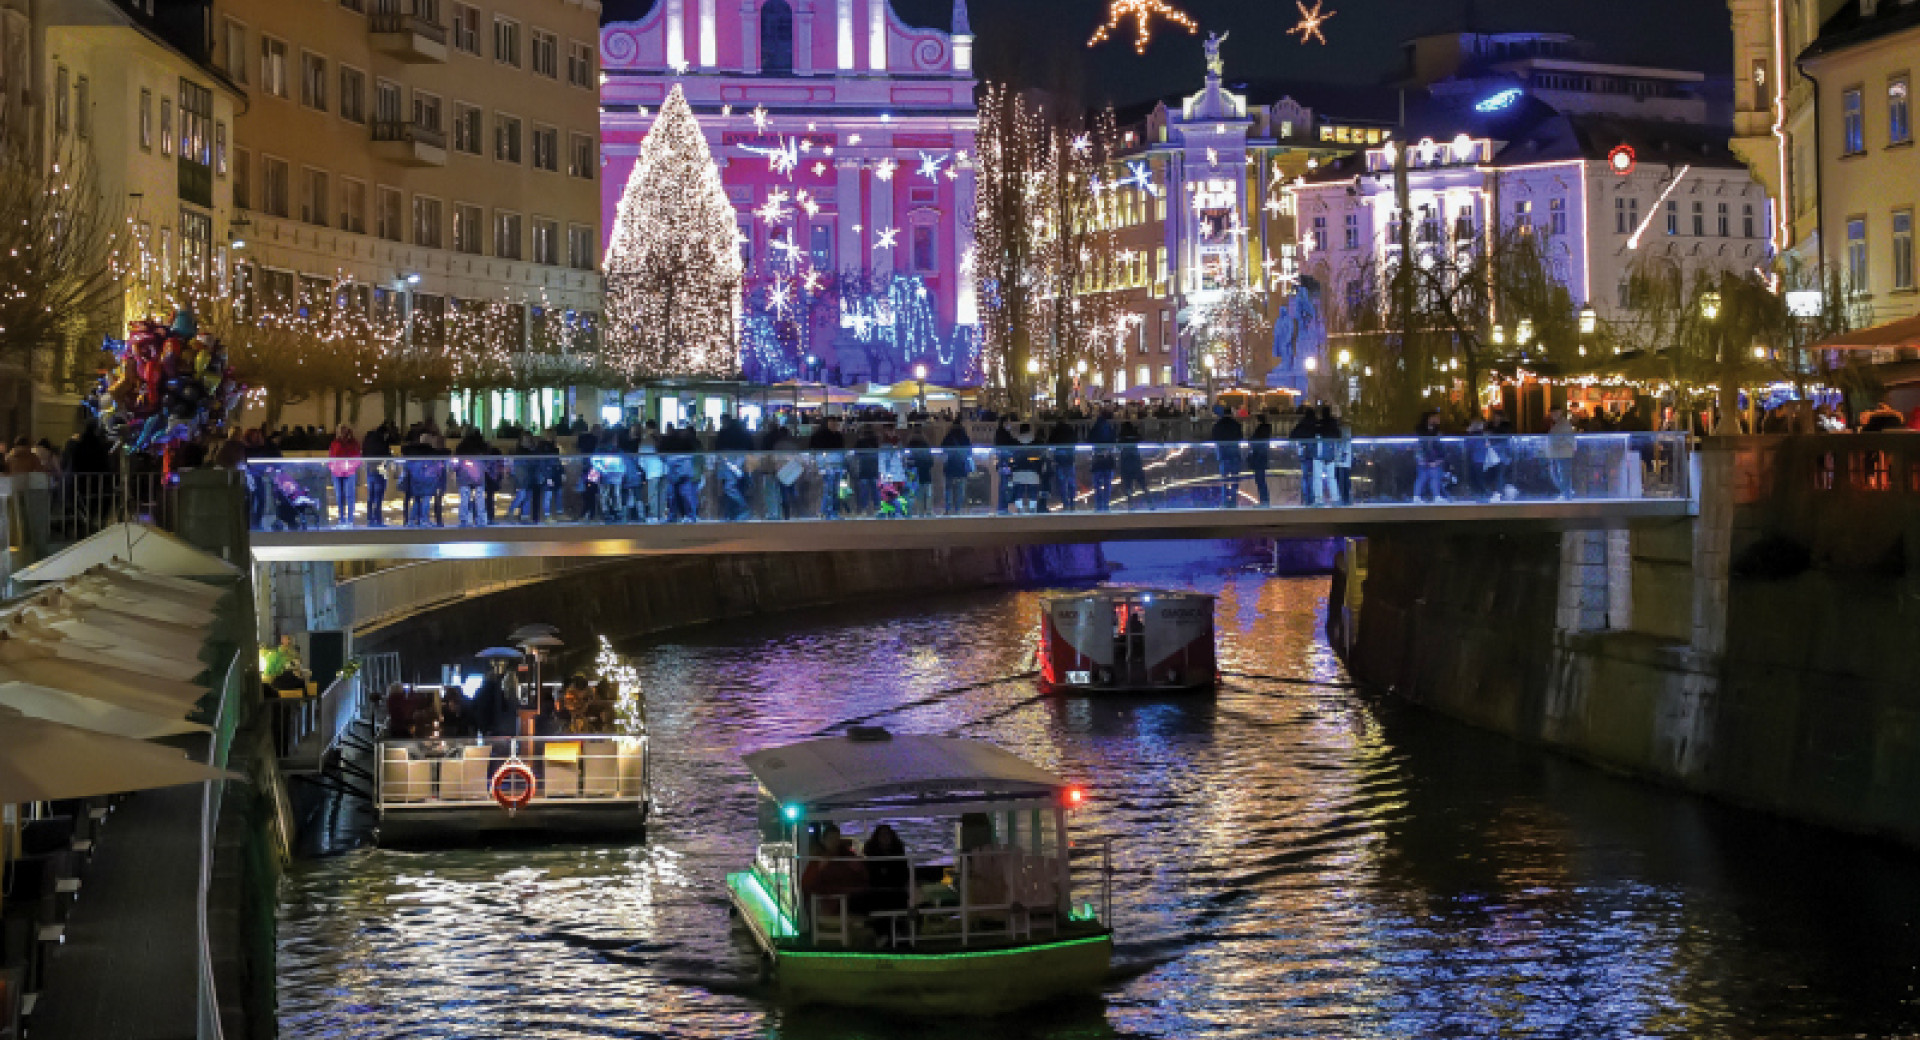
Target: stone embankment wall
point(1767, 653)
point(635, 597)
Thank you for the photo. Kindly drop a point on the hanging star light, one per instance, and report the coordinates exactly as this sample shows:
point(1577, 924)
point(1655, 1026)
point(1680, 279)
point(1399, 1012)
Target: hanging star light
point(930, 166)
point(884, 168)
point(813, 281)
point(805, 202)
point(780, 296)
point(1213, 157)
point(819, 169)
point(1143, 12)
point(783, 160)
point(1140, 175)
point(680, 67)
point(774, 210)
point(1083, 145)
point(787, 247)
point(1311, 21)
point(886, 238)
point(760, 118)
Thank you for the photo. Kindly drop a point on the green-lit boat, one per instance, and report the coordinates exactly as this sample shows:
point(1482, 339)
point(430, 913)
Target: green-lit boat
point(975, 915)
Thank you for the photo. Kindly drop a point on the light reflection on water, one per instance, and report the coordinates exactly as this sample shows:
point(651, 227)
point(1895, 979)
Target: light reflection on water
point(1294, 860)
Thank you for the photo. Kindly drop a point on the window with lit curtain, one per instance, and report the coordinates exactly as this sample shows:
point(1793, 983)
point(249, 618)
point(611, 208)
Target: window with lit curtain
point(1903, 249)
point(1857, 254)
point(1853, 122)
point(1899, 119)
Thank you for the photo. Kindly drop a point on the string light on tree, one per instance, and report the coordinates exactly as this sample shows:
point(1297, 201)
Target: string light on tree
point(1311, 21)
point(1143, 13)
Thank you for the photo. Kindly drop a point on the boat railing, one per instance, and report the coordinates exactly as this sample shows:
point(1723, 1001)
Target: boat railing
point(1095, 856)
point(989, 894)
point(573, 769)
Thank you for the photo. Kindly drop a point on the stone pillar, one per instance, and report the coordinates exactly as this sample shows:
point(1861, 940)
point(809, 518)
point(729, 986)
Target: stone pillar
point(966, 308)
point(1620, 580)
point(750, 35)
point(709, 35)
point(1583, 582)
point(846, 198)
point(880, 218)
point(676, 32)
point(1712, 545)
point(803, 38)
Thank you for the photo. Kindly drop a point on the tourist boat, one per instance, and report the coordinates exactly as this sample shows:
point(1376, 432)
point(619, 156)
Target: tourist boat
point(975, 915)
point(1121, 640)
point(450, 788)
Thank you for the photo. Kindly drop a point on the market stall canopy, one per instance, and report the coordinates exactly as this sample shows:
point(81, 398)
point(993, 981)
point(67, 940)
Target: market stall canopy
point(1902, 333)
point(21, 661)
point(76, 643)
point(92, 626)
point(910, 390)
point(69, 709)
point(139, 599)
point(844, 770)
point(148, 548)
point(47, 761)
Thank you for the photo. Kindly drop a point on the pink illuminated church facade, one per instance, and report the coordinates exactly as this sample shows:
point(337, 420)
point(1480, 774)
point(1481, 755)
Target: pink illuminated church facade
point(845, 139)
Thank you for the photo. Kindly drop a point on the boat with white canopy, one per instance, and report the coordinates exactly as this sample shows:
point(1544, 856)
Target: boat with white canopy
point(963, 899)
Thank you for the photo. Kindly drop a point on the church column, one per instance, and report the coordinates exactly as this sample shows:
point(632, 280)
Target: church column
point(749, 35)
point(676, 32)
point(709, 35)
point(843, 32)
point(803, 38)
point(846, 197)
point(879, 219)
point(966, 309)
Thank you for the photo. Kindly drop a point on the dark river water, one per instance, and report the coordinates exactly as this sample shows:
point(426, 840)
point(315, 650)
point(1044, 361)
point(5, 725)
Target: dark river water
point(1294, 859)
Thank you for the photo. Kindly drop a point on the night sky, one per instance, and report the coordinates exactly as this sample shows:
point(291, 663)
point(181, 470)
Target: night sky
point(1363, 37)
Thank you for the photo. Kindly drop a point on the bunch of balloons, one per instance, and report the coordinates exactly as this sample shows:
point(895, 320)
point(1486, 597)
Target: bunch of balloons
point(168, 384)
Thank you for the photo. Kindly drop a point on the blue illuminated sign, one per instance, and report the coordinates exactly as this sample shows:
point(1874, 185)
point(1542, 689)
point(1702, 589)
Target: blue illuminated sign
point(1504, 99)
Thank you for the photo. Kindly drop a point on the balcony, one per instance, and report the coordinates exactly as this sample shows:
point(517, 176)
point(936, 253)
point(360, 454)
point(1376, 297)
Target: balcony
point(407, 143)
point(410, 36)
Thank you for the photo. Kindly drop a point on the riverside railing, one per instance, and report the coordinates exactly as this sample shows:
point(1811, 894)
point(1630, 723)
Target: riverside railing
point(234, 691)
point(915, 481)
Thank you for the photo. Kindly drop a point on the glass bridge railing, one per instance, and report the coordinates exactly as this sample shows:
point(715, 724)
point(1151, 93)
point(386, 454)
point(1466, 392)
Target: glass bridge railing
point(909, 483)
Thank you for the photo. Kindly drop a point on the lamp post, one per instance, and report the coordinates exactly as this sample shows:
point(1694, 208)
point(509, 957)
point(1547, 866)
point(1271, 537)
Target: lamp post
point(1729, 397)
point(1080, 376)
point(1033, 373)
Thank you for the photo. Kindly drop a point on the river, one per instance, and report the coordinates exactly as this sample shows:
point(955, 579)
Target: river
point(1294, 859)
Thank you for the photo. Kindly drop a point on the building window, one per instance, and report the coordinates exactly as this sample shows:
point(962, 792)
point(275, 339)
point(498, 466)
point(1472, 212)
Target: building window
point(220, 149)
point(776, 38)
point(1319, 243)
point(580, 255)
point(353, 95)
point(1724, 221)
point(546, 149)
point(1557, 212)
point(506, 137)
point(546, 242)
point(1699, 219)
point(386, 102)
point(466, 29)
point(387, 219)
point(506, 235)
point(146, 120)
point(466, 129)
point(313, 80)
point(426, 222)
point(580, 160)
point(925, 249)
point(273, 66)
point(196, 242)
point(1673, 217)
point(426, 111)
point(317, 199)
point(546, 54)
point(353, 206)
point(166, 126)
point(506, 41)
point(467, 231)
point(1899, 118)
point(1857, 254)
point(274, 175)
point(62, 105)
point(1523, 217)
point(1166, 375)
point(579, 64)
point(1353, 231)
point(236, 41)
point(242, 179)
point(1143, 376)
point(1853, 122)
point(1903, 249)
point(82, 107)
point(820, 246)
point(1746, 220)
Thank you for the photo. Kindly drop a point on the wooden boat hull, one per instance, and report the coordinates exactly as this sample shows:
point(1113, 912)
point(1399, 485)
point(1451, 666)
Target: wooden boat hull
point(985, 982)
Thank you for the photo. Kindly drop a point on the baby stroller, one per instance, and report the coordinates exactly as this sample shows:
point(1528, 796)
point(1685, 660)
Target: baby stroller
point(892, 487)
point(294, 507)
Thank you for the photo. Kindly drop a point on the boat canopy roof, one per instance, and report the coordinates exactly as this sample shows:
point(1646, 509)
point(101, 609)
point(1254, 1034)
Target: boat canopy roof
point(1117, 594)
point(841, 771)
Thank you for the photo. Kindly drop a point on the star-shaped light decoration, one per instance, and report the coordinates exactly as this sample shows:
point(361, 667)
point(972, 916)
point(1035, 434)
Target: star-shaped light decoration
point(760, 118)
point(782, 159)
point(780, 296)
point(1143, 12)
point(813, 281)
point(726, 110)
point(1274, 205)
point(774, 210)
point(886, 238)
point(790, 253)
point(1083, 145)
point(805, 202)
point(806, 146)
point(884, 168)
point(680, 67)
point(1140, 175)
point(1311, 21)
point(819, 169)
point(930, 166)
point(1213, 157)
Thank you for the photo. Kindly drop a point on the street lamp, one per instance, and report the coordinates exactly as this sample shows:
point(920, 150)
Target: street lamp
point(1211, 366)
point(1524, 334)
point(1346, 358)
point(1499, 335)
point(1589, 320)
point(920, 377)
point(1710, 306)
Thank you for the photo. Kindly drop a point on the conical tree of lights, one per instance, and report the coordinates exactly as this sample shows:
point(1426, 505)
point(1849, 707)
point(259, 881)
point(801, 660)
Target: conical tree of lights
point(673, 268)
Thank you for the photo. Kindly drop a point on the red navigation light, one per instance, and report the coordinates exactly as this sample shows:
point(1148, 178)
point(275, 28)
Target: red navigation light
point(1074, 796)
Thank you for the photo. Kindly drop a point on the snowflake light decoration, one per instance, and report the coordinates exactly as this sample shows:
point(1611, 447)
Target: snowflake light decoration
point(884, 169)
point(1143, 12)
point(783, 159)
point(1140, 175)
point(1311, 21)
point(930, 166)
point(774, 210)
point(1083, 145)
point(760, 118)
point(886, 238)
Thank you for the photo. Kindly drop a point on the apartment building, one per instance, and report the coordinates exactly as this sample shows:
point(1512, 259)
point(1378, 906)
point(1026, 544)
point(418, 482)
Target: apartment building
point(436, 156)
point(1773, 112)
point(1863, 65)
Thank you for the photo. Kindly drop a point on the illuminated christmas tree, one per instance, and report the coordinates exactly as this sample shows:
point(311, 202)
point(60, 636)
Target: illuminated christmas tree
point(673, 266)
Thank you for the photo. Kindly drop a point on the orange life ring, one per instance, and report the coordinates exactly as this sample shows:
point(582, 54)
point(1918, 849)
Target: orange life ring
point(513, 786)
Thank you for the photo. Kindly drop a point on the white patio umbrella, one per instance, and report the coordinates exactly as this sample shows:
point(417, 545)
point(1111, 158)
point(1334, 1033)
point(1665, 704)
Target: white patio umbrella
point(172, 582)
point(20, 662)
point(45, 761)
point(103, 611)
point(56, 644)
point(103, 628)
point(71, 709)
point(135, 582)
point(139, 602)
point(149, 548)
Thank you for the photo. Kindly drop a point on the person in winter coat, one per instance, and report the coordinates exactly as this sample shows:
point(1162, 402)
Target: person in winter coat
point(1026, 463)
point(1305, 432)
point(1066, 482)
point(345, 468)
point(1133, 469)
point(1004, 442)
point(920, 464)
point(1259, 447)
point(1431, 457)
point(829, 446)
point(1560, 450)
point(470, 477)
point(1226, 435)
point(377, 446)
point(956, 465)
point(1103, 437)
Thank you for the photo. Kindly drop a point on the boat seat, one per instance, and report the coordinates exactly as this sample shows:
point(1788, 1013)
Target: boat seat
point(562, 769)
point(600, 771)
point(465, 778)
point(633, 764)
point(836, 926)
point(403, 778)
